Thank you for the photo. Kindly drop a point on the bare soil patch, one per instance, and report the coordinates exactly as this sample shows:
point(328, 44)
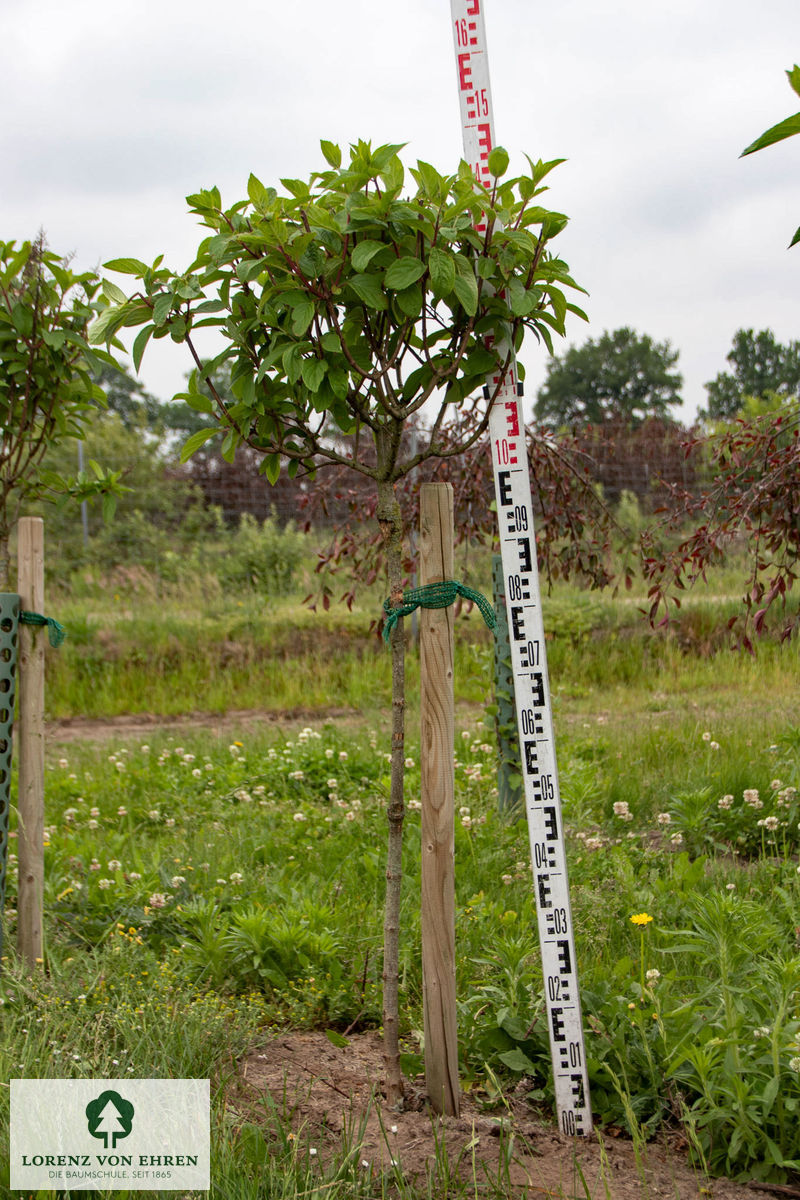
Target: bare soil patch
point(132, 725)
point(331, 1098)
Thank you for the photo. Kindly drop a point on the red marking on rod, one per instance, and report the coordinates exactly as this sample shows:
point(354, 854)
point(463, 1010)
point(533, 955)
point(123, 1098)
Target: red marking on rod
point(512, 418)
point(485, 139)
point(474, 8)
point(464, 71)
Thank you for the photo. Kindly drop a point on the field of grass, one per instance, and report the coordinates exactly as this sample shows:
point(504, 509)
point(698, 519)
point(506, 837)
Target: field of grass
point(208, 889)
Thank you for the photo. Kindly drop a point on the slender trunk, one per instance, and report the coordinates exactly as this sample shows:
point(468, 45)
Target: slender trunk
point(392, 529)
point(4, 562)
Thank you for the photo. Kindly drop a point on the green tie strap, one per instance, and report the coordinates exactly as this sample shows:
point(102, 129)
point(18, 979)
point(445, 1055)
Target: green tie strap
point(56, 632)
point(434, 595)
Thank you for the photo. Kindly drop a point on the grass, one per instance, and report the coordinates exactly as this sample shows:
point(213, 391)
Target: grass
point(207, 890)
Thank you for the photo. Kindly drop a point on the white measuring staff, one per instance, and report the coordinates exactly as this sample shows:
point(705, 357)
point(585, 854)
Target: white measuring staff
point(526, 637)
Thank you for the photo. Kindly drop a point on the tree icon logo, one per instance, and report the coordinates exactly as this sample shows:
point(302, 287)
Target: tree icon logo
point(109, 1116)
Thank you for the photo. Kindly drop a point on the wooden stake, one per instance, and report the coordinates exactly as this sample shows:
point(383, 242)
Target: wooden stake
point(30, 687)
point(438, 805)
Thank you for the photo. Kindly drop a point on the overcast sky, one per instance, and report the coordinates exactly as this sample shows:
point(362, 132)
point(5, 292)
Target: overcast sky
point(113, 112)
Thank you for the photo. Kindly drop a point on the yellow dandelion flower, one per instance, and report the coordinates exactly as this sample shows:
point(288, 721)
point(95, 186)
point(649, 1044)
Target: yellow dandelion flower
point(641, 919)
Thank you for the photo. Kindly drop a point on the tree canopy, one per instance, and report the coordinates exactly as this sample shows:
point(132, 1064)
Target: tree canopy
point(761, 365)
point(619, 376)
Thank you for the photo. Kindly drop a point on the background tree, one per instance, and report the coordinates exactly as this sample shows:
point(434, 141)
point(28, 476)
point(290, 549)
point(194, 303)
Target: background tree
point(755, 491)
point(346, 309)
point(619, 376)
point(760, 365)
point(47, 394)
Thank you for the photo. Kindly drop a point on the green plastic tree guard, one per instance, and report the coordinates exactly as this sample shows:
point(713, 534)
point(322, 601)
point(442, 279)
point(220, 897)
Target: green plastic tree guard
point(509, 768)
point(9, 629)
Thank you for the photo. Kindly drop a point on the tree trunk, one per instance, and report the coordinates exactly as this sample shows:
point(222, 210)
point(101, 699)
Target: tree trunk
point(391, 526)
point(4, 561)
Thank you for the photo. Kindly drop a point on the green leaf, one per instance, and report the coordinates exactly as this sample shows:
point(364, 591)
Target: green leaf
point(795, 239)
point(404, 271)
point(313, 372)
point(302, 317)
point(260, 197)
point(194, 442)
point(99, 328)
point(113, 293)
point(410, 300)
point(794, 78)
point(466, 289)
point(443, 271)
point(498, 162)
point(126, 266)
point(364, 253)
point(338, 1039)
point(516, 1060)
point(368, 290)
point(332, 152)
point(272, 467)
point(139, 345)
point(162, 307)
point(777, 133)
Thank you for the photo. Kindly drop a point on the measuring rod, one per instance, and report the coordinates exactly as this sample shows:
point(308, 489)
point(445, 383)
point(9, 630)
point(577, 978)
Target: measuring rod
point(526, 636)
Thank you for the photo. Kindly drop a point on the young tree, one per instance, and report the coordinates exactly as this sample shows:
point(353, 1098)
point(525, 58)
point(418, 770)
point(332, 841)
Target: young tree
point(778, 133)
point(622, 376)
point(346, 308)
point(47, 393)
point(760, 365)
point(754, 489)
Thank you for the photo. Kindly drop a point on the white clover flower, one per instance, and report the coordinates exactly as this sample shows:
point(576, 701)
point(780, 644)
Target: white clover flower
point(236, 876)
point(713, 745)
point(763, 1031)
point(94, 812)
point(343, 756)
point(409, 763)
point(114, 864)
point(104, 883)
point(332, 783)
point(145, 749)
point(751, 797)
point(92, 824)
point(731, 887)
point(349, 816)
point(464, 811)
point(706, 736)
point(329, 753)
point(676, 839)
point(776, 785)
point(663, 818)
point(296, 775)
point(63, 763)
point(507, 879)
point(188, 758)
point(725, 801)
point(653, 975)
point(177, 880)
point(466, 822)
point(299, 816)
point(170, 821)
point(120, 766)
point(771, 823)
point(134, 875)
point(416, 805)
point(197, 773)
point(157, 900)
point(794, 1064)
point(122, 811)
point(154, 814)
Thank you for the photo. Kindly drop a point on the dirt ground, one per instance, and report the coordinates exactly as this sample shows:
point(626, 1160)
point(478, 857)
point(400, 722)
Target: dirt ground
point(331, 1097)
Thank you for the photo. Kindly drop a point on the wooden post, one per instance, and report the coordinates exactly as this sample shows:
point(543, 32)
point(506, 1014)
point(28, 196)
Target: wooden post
point(438, 805)
point(30, 805)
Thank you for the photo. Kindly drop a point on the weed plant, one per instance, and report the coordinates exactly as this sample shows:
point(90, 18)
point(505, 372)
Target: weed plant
point(202, 894)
